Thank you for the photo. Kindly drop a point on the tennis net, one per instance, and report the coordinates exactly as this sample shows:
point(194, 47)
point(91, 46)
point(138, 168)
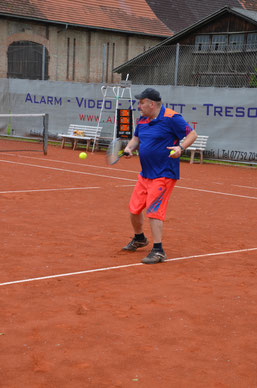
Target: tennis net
point(24, 132)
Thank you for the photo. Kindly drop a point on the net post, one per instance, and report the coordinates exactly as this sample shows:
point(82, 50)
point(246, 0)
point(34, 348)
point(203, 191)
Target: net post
point(45, 132)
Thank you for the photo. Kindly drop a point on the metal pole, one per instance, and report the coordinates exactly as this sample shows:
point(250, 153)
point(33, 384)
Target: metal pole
point(127, 77)
point(176, 66)
point(117, 94)
point(45, 133)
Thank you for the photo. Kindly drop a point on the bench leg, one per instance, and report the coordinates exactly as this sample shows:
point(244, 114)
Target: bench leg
point(88, 144)
point(63, 142)
point(74, 144)
point(192, 157)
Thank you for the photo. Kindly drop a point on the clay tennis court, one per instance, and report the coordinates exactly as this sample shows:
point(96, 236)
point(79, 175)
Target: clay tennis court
point(78, 312)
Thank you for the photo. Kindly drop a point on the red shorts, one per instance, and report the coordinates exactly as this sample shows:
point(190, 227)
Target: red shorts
point(152, 194)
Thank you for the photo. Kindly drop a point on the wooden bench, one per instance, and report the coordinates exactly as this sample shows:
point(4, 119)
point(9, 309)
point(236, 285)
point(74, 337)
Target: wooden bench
point(198, 146)
point(77, 133)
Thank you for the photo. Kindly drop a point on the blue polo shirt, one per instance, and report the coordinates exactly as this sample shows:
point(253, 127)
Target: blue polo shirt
point(154, 138)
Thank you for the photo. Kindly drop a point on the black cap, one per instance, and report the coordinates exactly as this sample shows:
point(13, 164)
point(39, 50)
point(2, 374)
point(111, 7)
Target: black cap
point(149, 93)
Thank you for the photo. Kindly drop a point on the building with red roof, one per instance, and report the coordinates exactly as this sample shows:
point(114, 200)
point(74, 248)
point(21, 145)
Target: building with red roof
point(70, 40)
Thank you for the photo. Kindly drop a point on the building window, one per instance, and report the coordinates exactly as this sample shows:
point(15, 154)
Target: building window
point(236, 42)
point(211, 42)
point(252, 41)
point(219, 42)
point(27, 60)
point(202, 42)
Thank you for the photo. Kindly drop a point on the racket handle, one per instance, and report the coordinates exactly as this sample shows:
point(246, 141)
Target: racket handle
point(125, 153)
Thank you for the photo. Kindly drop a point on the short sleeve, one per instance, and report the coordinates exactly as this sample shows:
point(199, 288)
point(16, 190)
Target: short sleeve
point(136, 131)
point(180, 127)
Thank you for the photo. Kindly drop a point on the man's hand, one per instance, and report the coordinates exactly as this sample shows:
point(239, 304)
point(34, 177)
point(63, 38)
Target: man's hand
point(188, 140)
point(128, 151)
point(177, 152)
point(131, 146)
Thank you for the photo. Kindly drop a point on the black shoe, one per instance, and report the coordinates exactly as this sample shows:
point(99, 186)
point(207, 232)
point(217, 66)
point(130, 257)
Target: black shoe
point(134, 244)
point(155, 256)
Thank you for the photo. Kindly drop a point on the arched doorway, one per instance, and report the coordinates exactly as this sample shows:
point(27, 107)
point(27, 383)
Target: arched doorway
point(27, 60)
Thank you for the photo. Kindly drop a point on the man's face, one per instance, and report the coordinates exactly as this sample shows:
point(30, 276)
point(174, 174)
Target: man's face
point(146, 107)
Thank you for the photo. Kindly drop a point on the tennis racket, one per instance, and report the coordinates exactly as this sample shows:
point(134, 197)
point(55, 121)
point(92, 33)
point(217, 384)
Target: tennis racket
point(115, 151)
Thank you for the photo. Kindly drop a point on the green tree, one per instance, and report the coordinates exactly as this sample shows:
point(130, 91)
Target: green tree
point(253, 80)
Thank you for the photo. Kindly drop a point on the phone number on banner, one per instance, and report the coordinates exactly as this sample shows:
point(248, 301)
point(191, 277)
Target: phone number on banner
point(238, 155)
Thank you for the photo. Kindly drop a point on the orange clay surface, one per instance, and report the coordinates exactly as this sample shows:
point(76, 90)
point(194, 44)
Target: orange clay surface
point(185, 323)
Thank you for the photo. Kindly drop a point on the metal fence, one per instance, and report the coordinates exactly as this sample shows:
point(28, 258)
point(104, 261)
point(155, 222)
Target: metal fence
point(187, 66)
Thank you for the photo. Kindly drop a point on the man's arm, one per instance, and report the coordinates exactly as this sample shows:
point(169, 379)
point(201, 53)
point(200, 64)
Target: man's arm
point(132, 145)
point(188, 140)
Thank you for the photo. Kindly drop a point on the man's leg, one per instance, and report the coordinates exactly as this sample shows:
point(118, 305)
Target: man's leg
point(156, 228)
point(158, 196)
point(137, 221)
point(139, 240)
point(157, 254)
point(136, 207)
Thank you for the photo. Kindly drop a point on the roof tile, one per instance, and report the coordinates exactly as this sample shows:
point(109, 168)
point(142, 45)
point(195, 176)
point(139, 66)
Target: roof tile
point(180, 14)
point(124, 15)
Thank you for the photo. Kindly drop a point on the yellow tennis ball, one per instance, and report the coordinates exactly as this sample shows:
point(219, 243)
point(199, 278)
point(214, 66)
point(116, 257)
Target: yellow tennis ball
point(172, 152)
point(82, 155)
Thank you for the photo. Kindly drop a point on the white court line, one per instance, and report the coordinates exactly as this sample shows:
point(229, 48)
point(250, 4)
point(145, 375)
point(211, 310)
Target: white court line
point(246, 187)
point(64, 170)
point(38, 190)
point(73, 163)
point(125, 185)
point(215, 192)
point(124, 179)
point(124, 266)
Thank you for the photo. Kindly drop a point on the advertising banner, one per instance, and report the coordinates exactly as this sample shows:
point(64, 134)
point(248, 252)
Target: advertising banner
point(228, 116)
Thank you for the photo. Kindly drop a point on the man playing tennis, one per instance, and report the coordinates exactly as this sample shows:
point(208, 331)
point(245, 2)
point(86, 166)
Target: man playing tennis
point(158, 131)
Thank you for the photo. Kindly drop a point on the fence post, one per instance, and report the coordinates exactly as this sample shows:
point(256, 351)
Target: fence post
point(176, 66)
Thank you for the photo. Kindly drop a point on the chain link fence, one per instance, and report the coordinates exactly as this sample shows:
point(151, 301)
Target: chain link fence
point(186, 66)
